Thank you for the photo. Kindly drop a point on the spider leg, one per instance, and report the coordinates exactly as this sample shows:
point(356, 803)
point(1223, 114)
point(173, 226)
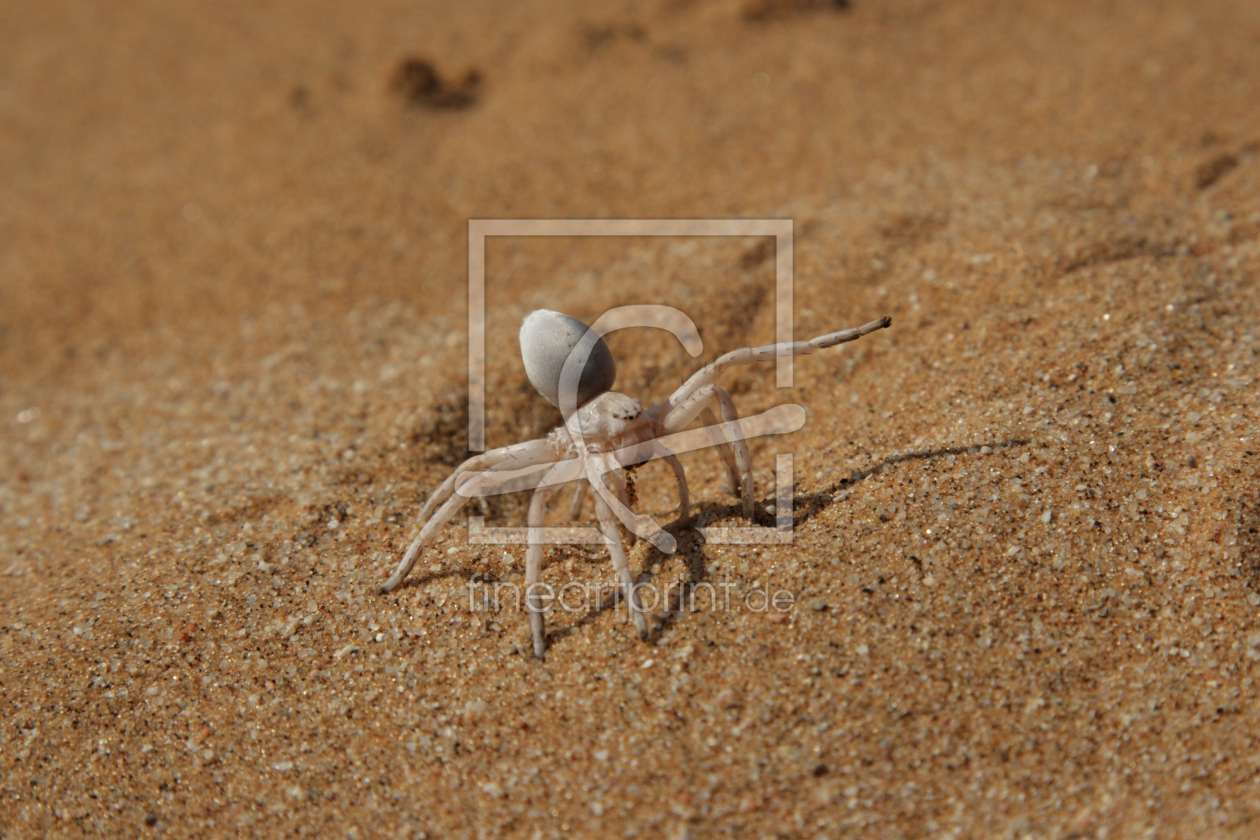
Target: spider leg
point(640, 525)
point(427, 533)
point(519, 455)
point(579, 496)
point(681, 416)
point(533, 569)
point(709, 374)
point(608, 524)
point(621, 489)
point(509, 458)
point(684, 497)
point(724, 450)
point(743, 461)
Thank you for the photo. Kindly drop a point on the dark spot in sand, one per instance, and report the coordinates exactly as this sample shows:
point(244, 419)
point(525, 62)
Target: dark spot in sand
point(300, 98)
point(757, 254)
point(1218, 167)
point(600, 35)
point(762, 10)
point(419, 83)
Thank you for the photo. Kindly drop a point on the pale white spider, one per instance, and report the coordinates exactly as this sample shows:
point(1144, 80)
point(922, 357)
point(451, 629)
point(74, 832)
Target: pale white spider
point(605, 432)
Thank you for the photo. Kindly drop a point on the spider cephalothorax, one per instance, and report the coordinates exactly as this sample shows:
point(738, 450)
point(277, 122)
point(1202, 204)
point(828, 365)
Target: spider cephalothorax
point(605, 436)
point(611, 419)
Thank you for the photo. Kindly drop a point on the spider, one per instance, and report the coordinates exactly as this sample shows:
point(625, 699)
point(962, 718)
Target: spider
point(605, 434)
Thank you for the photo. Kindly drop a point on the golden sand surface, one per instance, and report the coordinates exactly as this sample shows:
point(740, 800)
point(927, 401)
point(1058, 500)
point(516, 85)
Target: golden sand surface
point(1025, 573)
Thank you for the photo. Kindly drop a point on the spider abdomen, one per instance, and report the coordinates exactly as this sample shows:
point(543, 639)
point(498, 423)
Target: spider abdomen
point(548, 339)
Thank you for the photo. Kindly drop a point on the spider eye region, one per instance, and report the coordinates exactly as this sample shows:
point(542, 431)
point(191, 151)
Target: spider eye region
point(548, 339)
point(608, 416)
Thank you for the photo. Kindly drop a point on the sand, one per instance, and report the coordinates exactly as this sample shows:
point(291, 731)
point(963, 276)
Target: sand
point(1024, 578)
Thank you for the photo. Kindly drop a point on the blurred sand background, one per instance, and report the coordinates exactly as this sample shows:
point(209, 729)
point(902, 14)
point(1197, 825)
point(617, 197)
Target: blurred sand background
point(233, 265)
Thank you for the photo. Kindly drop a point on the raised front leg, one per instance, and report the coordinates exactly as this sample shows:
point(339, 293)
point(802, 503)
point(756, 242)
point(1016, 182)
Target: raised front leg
point(748, 355)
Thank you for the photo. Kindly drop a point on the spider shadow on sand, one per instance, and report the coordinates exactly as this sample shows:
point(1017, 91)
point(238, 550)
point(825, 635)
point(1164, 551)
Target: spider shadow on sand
point(691, 544)
point(804, 507)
